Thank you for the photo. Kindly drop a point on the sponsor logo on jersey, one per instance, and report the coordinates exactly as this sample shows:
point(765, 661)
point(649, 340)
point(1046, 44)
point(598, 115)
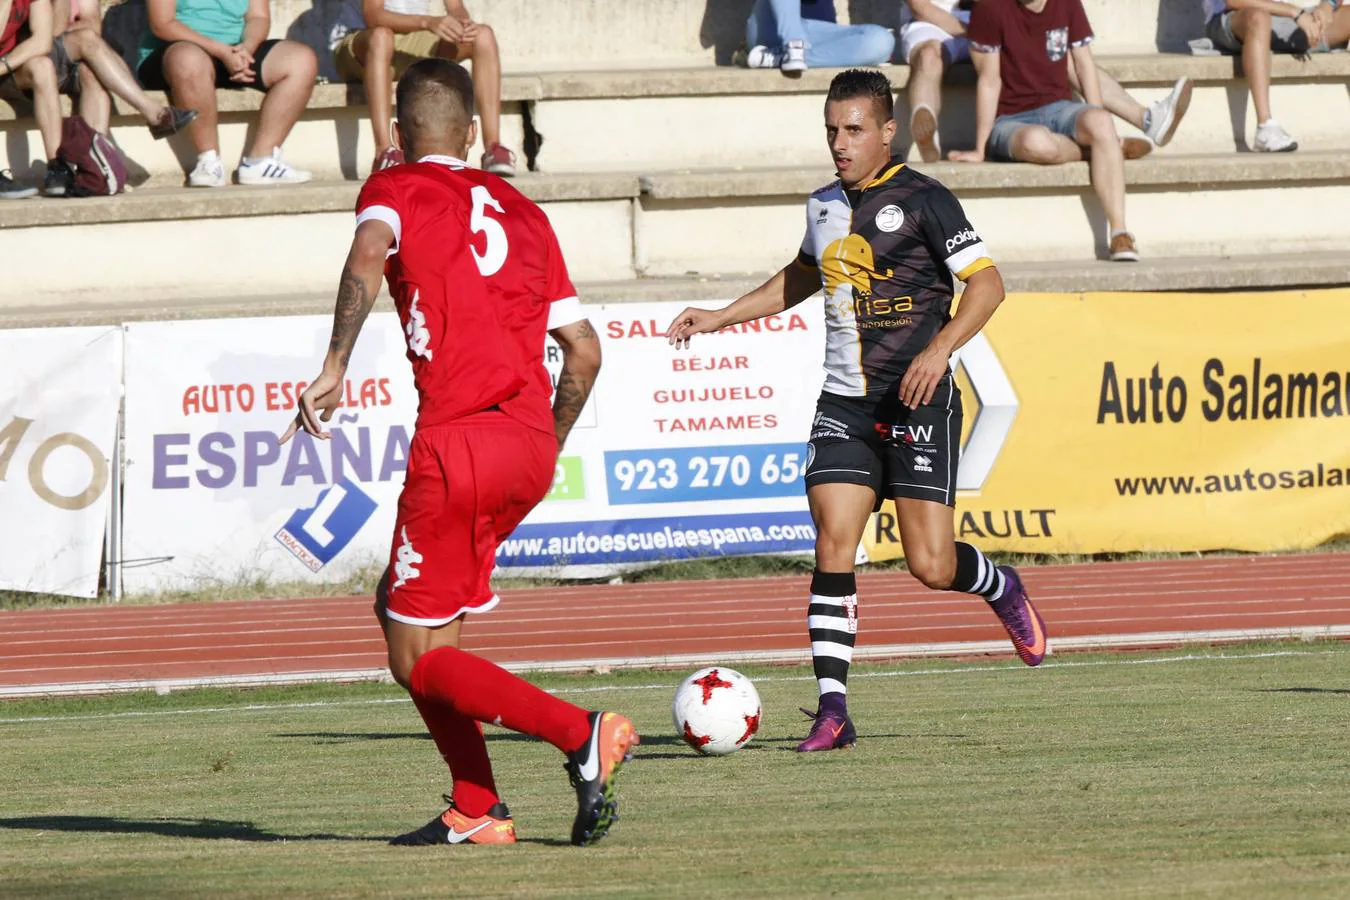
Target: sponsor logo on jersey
point(890, 218)
point(960, 238)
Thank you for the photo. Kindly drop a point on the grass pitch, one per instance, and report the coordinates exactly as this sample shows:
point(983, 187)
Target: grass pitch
point(1191, 773)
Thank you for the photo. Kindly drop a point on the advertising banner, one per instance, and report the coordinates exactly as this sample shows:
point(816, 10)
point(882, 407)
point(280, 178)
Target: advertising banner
point(1125, 422)
point(59, 394)
point(679, 454)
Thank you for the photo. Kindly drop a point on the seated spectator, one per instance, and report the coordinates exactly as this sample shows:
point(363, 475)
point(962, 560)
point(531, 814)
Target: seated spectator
point(1256, 29)
point(794, 35)
point(34, 59)
point(1024, 107)
point(193, 47)
point(933, 37)
point(400, 32)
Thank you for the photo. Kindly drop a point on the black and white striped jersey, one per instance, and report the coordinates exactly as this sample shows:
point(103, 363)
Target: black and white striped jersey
point(887, 254)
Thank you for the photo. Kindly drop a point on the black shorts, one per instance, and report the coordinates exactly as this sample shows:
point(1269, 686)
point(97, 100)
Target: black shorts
point(150, 72)
point(896, 451)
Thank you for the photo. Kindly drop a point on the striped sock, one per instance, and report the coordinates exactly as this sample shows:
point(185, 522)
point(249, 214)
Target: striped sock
point(832, 619)
point(975, 574)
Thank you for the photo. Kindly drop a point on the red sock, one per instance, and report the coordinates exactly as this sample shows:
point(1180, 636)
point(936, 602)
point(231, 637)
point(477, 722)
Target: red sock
point(476, 688)
point(460, 740)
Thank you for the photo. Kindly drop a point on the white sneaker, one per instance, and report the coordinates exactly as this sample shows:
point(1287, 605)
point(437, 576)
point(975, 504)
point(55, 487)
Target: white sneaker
point(761, 57)
point(1271, 138)
point(271, 170)
point(1166, 114)
point(794, 58)
point(209, 171)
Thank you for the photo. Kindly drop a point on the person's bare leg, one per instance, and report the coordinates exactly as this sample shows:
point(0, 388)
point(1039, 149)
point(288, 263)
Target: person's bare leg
point(288, 72)
point(928, 534)
point(374, 49)
point(1041, 146)
point(39, 76)
point(840, 513)
point(1252, 27)
point(1115, 98)
point(84, 45)
point(1107, 164)
point(487, 79)
point(95, 102)
point(191, 76)
point(1337, 33)
point(925, 90)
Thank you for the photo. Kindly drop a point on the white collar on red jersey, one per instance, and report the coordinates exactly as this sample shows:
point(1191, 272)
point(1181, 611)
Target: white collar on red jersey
point(444, 160)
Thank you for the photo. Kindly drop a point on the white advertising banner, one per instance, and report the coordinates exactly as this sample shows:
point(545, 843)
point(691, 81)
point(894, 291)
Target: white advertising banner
point(679, 454)
point(59, 394)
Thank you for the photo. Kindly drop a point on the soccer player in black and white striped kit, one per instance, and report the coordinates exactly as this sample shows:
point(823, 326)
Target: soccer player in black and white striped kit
point(885, 243)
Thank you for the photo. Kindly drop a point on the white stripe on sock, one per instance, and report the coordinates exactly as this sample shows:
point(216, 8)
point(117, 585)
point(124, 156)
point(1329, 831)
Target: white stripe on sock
point(833, 623)
point(828, 601)
point(831, 686)
point(833, 650)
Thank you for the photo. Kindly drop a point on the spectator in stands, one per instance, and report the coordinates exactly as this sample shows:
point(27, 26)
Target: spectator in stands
point(34, 58)
point(193, 47)
point(933, 36)
point(400, 32)
point(794, 35)
point(1024, 109)
point(1256, 29)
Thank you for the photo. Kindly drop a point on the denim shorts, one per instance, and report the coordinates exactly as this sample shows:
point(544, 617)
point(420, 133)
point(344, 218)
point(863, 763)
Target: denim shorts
point(1061, 117)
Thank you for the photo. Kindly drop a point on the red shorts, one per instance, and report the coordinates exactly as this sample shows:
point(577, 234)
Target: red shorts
point(469, 485)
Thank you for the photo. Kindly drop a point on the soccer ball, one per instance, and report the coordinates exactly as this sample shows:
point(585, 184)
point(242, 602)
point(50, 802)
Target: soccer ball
point(717, 711)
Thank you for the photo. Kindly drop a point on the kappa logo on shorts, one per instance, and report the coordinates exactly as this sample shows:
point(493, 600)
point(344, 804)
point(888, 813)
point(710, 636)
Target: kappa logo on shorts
point(419, 336)
point(405, 567)
point(923, 463)
point(318, 533)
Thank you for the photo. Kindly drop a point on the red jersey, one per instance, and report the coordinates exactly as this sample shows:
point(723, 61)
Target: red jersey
point(477, 277)
point(1033, 48)
point(11, 28)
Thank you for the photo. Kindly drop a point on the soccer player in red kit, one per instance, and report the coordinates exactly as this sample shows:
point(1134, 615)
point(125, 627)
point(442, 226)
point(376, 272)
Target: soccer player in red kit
point(477, 277)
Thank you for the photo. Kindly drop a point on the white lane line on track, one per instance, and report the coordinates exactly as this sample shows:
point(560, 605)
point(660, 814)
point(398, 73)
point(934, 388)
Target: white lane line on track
point(382, 675)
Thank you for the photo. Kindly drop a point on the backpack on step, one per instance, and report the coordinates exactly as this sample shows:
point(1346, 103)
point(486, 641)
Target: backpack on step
point(95, 162)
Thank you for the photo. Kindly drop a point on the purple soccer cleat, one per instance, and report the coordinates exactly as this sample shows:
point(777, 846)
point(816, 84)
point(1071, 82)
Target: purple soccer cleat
point(832, 730)
point(1023, 623)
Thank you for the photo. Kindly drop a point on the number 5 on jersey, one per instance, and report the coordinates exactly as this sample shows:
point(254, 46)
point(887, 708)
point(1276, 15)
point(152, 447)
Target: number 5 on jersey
point(493, 257)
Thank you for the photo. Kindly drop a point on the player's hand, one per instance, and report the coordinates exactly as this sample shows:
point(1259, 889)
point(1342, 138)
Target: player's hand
point(317, 403)
point(923, 376)
point(691, 322)
point(966, 156)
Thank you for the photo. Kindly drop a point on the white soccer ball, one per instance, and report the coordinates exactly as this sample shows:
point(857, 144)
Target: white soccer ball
point(717, 710)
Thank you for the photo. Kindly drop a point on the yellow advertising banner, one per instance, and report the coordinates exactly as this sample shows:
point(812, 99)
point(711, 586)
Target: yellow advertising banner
point(1122, 422)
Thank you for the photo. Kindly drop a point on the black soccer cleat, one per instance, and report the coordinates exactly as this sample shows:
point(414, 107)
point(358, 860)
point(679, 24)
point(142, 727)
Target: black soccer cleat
point(593, 768)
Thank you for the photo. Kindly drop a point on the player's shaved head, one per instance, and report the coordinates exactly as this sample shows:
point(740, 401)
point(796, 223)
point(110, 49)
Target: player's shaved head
point(435, 107)
point(854, 83)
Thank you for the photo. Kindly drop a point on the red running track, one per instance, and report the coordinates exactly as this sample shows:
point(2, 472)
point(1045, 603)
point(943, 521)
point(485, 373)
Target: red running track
point(1132, 604)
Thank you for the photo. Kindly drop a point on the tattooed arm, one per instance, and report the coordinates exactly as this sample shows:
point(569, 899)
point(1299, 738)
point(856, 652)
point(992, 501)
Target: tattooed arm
point(357, 290)
point(581, 363)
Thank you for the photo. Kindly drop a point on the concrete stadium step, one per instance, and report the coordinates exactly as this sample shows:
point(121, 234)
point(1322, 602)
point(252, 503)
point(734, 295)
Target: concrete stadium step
point(1194, 206)
point(621, 120)
point(1285, 270)
point(168, 242)
point(159, 244)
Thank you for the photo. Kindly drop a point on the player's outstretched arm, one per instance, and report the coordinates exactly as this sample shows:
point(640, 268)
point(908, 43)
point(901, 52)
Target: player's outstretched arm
point(581, 364)
point(789, 286)
point(357, 290)
point(983, 294)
